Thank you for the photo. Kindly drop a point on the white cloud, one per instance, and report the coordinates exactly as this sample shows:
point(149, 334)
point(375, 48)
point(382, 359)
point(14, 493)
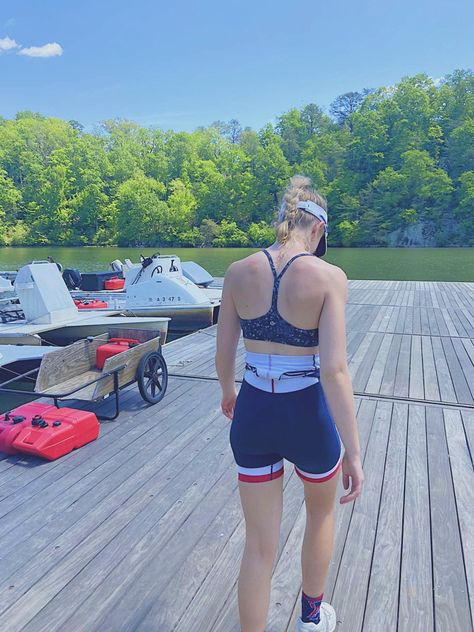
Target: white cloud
point(48, 50)
point(7, 44)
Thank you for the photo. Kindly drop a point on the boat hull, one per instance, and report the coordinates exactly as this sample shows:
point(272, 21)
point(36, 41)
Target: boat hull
point(62, 336)
point(184, 318)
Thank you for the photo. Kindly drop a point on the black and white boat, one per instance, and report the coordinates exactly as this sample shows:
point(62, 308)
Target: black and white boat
point(160, 285)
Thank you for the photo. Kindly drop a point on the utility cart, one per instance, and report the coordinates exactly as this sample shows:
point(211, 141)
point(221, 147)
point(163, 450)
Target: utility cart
point(96, 367)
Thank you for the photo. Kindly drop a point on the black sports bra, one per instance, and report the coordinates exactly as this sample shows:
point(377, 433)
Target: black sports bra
point(272, 326)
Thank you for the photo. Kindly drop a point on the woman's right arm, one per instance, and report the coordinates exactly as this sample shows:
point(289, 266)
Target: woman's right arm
point(336, 380)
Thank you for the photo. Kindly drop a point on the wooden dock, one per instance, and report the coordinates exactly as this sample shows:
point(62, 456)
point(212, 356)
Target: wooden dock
point(142, 529)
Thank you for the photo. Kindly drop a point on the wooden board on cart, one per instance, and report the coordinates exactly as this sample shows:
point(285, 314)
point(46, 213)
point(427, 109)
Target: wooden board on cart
point(64, 370)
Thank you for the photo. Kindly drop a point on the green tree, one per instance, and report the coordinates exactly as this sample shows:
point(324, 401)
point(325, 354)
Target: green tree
point(142, 217)
point(230, 235)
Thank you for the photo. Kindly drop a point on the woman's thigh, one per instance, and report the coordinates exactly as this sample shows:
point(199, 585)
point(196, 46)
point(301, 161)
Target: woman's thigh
point(262, 505)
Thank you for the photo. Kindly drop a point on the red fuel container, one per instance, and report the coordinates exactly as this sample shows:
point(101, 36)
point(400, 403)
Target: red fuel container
point(57, 432)
point(93, 303)
point(12, 422)
point(114, 283)
point(111, 348)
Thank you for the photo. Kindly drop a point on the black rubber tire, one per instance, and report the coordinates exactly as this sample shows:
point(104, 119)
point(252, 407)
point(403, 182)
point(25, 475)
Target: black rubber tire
point(152, 377)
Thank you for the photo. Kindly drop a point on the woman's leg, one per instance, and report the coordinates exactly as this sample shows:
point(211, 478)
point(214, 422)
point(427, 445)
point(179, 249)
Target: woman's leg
point(262, 504)
point(318, 538)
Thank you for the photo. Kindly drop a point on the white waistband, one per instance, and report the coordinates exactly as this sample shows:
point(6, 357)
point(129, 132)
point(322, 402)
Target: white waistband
point(269, 369)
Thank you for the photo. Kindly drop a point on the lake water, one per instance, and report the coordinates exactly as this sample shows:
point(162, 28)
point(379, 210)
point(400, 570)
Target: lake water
point(405, 264)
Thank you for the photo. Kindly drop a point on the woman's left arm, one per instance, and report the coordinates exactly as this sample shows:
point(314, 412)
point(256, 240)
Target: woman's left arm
point(228, 332)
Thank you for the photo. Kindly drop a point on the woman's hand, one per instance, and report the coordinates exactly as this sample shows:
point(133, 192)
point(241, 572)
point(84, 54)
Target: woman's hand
point(228, 403)
point(351, 469)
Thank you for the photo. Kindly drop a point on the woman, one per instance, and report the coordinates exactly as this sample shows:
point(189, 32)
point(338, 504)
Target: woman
point(291, 309)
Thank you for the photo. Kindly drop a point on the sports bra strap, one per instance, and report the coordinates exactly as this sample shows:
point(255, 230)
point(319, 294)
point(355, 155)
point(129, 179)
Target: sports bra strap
point(270, 261)
point(277, 277)
point(287, 265)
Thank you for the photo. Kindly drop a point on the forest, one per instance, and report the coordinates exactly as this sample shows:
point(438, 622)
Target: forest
point(396, 165)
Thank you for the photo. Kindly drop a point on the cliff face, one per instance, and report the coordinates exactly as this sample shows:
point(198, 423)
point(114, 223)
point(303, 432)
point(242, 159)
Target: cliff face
point(428, 234)
point(419, 234)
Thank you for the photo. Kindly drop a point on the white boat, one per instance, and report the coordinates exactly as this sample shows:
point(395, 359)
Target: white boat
point(160, 285)
point(49, 312)
point(18, 359)
point(5, 285)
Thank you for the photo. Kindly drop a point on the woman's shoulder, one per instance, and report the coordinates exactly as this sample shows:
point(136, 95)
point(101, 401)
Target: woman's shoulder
point(336, 273)
point(242, 265)
point(322, 275)
point(321, 268)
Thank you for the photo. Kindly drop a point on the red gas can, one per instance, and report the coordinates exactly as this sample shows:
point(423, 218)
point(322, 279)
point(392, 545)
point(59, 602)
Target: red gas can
point(57, 432)
point(12, 422)
point(114, 283)
point(111, 348)
point(93, 303)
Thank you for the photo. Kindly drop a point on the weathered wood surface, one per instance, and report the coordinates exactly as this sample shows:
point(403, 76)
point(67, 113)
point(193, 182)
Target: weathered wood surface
point(142, 529)
point(68, 368)
point(390, 354)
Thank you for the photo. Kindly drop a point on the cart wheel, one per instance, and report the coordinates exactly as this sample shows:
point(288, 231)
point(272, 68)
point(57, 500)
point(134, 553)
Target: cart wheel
point(152, 377)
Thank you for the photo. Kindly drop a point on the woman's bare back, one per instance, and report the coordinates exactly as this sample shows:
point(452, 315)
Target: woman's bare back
point(300, 296)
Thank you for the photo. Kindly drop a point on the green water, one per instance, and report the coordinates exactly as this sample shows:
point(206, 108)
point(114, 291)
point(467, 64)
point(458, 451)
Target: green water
point(404, 264)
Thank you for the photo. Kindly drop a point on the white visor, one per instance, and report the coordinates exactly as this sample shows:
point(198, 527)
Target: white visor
point(314, 209)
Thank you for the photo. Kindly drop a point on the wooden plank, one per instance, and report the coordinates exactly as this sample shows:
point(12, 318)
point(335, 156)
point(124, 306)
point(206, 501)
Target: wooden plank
point(67, 362)
point(465, 360)
point(381, 610)
point(387, 385)
point(463, 479)
point(402, 378)
point(463, 392)
point(432, 321)
point(392, 324)
point(468, 419)
point(416, 605)
point(451, 601)
point(382, 359)
point(354, 571)
point(400, 326)
point(445, 382)
point(424, 321)
point(430, 378)
point(416, 389)
point(365, 363)
point(450, 326)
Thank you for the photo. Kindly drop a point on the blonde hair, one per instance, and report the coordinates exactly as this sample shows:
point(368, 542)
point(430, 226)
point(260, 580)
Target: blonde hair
point(299, 189)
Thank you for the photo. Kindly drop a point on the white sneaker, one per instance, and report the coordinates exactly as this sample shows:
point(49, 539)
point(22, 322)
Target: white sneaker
point(327, 620)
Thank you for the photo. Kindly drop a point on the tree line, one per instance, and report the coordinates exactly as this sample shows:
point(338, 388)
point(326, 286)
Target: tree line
point(396, 165)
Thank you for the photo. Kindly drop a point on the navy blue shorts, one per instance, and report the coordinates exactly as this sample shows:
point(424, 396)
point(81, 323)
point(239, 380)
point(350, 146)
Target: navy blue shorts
point(298, 426)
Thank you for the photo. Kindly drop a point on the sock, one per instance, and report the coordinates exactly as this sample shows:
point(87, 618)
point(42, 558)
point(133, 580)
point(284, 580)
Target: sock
point(310, 607)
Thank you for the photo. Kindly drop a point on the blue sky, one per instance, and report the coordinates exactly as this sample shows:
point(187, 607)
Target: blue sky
point(188, 63)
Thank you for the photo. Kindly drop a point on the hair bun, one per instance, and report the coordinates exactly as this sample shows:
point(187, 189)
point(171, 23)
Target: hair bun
point(300, 189)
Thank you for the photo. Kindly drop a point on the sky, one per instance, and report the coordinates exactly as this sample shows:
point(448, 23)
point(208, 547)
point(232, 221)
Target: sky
point(179, 65)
